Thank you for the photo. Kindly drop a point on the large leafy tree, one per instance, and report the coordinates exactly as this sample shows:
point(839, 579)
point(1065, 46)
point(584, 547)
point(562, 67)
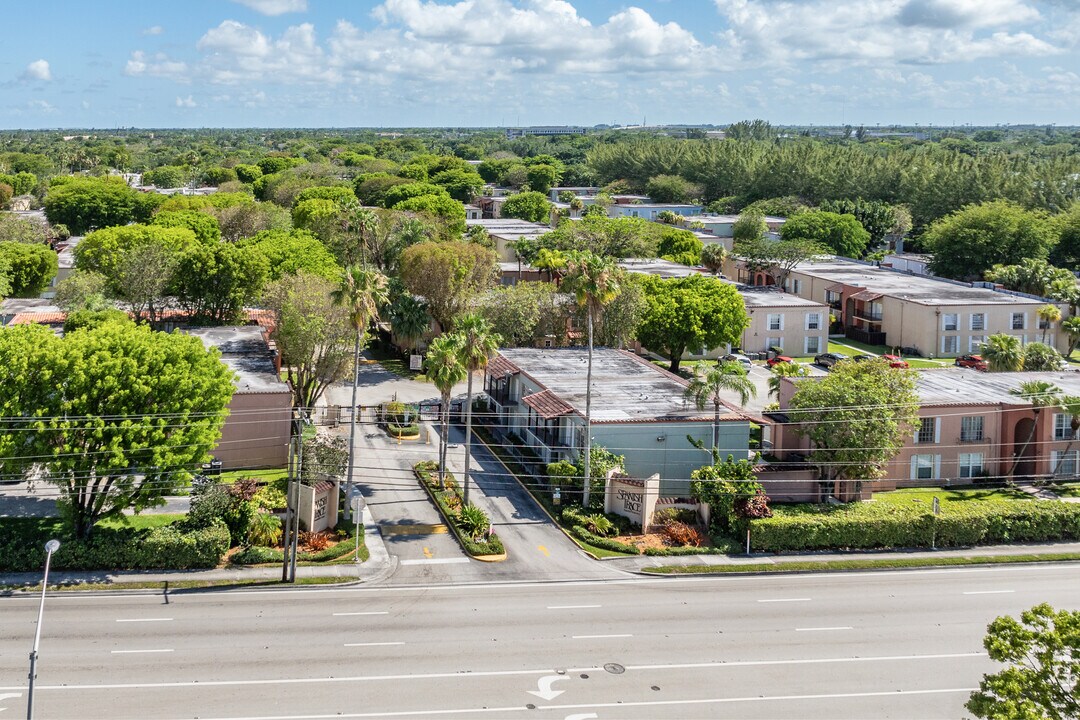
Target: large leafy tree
point(690, 313)
point(877, 218)
point(478, 344)
point(30, 267)
point(312, 333)
point(514, 311)
point(532, 206)
point(841, 233)
point(595, 282)
point(778, 259)
point(214, 281)
point(971, 241)
point(361, 291)
point(443, 366)
point(857, 418)
point(709, 384)
point(116, 416)
point(448, 276)
point(105, 251)
point(1030, 275)
point(291, 252)
point(1066, 252)
point(84, 204)
point(1042, 679)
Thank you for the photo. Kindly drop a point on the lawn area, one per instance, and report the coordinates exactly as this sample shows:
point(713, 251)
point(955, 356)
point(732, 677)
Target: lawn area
point(141, 522)
point(923, 498)
point(267, 475)
point(393, 362)
point(1065, 489)
point(853, 347)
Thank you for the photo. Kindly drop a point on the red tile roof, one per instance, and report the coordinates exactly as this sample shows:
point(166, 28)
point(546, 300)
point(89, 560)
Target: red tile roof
point(500, 367)
point(547, 404)
point(39, 318)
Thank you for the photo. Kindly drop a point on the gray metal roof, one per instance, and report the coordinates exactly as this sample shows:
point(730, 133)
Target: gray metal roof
point(245, 351)
point(962, 386)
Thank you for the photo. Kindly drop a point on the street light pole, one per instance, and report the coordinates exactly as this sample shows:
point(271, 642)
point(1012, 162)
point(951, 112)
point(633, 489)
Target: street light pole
point(50, 547)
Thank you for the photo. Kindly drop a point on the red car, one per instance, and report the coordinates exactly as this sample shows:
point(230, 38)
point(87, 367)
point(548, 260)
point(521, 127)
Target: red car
point(896, 361)
point(777, 360)
point(972, 361)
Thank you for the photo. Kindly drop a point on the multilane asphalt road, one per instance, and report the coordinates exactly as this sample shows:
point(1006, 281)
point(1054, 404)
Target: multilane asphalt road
point(867, 645)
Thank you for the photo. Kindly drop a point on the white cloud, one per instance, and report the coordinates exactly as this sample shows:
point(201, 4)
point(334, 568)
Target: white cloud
point(153, 30)
point(235, 52)
point(951, 14)
point(43, 106)
point(188, 102)
point(38, 70)
point(159, 65)
point(275, 7)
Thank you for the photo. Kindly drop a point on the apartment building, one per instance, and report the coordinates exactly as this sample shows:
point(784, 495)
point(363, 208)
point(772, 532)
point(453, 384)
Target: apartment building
point(777, 319)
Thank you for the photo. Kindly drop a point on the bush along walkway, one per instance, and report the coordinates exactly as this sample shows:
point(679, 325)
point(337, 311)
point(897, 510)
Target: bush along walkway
point(469, 523)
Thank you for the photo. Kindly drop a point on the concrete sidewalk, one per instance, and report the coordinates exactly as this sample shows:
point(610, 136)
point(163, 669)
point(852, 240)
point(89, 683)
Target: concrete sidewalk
point(378, 567)
point(750, 562)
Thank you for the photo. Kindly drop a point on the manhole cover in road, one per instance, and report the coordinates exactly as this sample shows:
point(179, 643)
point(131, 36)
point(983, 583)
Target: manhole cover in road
point(615, 668)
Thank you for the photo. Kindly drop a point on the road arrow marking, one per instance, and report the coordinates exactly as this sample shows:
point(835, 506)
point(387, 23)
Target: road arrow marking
point(427, 552)
point(582, 716)
point(544, 550)
point(544, 684)
point(8, 696)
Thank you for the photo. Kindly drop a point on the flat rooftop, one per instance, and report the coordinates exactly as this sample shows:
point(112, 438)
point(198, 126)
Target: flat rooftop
point(658, 267)
point(511, 228)
point(912, 288)
point(244, 350)
point(754, 297)
point(962, 386)
point(626, 388)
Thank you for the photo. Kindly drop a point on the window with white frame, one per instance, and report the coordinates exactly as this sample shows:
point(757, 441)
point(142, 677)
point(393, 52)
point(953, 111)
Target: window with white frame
point(950, 322)
point(813, 321)
point(928, 431)
point(1065, 463)
point(1063, 426)
point(971, 465)
point(1019, 321)
point(813, 345)
point(975, 343)
point(949, 344)
point(925, 467)
point(971, 428)
point(773, 342)
point(794, 286)
point(776, 321)
point(978, 321)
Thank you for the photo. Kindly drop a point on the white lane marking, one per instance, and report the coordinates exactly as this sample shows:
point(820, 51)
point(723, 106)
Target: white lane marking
point(381, 612)
point(145, 620)
point(544, 691)
point(491, 673)
point(817, 629)
point(373, 644)
point(593, 706)
point(434, 561)
point(988, 592)
point(596, 637)
point(571, 607)
point(132, 652)
point(772, 600)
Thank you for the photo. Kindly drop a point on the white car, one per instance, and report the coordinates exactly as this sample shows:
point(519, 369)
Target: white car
point(741, 359)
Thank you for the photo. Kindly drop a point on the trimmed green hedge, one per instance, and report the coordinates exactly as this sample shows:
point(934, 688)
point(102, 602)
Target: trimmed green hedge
point(427, 472)
point(400, 431)
point(865, 526)
point(161, 548)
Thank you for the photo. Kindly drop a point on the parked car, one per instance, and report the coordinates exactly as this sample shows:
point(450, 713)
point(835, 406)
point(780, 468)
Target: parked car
point(896, 361)
point(972, 361)
point(862, 358)
point(741, 359)
point(827, 360)
point(777, 359)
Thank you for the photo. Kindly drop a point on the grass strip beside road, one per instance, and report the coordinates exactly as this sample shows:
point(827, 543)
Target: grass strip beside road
point(173, 585)
point(876, 564)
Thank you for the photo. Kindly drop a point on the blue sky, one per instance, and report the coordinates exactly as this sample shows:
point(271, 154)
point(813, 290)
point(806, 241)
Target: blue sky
point(321, 63)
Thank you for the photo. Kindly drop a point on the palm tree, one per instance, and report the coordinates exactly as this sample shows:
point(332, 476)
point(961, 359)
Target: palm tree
point(781, 371)
point(708, 384)
point(1048, 315)
point(713, 256)
point(595, 281)
point(362, 290)
point(1070, 404)
point(409, 319)
point(478, 343)
point(443, 367)
point(1071, 326)
point(1040, 394)
point(551, 261)
point(1003, 353)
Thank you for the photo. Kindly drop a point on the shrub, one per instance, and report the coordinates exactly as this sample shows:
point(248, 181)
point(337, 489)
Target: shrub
point(598, 524)
point(473, 521)
point(315, 541)
point(400, 431)
point(265, 529)
point(682, 534)
point(582, 533)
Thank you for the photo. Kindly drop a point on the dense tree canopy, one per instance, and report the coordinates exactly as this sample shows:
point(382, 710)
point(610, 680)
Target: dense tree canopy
point(841, 233)
point(85, 204)
point(447, 275)
point(116, 416)
point(204, 226)
point(970, 241)
point(105, 250)
point(29, 267)
point(532, 206)
point(690, 314)
point(291, 252)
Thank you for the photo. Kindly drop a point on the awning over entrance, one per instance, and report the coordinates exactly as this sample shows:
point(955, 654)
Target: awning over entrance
point(547, 404)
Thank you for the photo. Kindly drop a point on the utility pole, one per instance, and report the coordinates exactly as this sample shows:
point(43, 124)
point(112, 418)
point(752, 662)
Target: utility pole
point(292, 497)
point(296, 498)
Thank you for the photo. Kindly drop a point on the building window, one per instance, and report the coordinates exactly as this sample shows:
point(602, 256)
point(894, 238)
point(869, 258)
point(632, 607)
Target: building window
point(950, 322)
point(971, 465)
point(971, 428)
point(924, 467)
point(1063, 426)
point(978, 321)
point(776, 322)
point(975, 343)
point(949, 344)
point(813, 345)
point(927, 432)
point(834, 299)
point(794, 286)
point(813, 321)
point(1064, 462)
point(1019, 321)
point(773, 342)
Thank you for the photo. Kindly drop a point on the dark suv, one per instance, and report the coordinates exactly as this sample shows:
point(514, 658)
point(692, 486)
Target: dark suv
point(827, 360)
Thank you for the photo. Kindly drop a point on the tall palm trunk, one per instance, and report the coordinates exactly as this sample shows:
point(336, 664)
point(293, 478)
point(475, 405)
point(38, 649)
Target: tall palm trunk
point(716, 427)
point(468, 437)
point(352, 428)
point(444, 422)
point(588, 416)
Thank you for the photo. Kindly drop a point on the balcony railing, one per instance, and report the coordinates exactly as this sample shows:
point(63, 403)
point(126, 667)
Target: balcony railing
point(865, 336)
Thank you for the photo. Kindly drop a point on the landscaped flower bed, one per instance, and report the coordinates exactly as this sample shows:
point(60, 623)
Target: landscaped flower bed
point(469, 523)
